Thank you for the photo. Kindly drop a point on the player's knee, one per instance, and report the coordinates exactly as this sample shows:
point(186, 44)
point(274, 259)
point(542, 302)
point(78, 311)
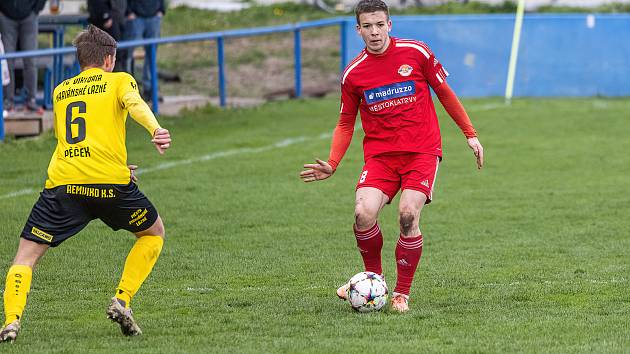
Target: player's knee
point(364, 217)
point(407, 221)
point(159, 228)
point(29, 253)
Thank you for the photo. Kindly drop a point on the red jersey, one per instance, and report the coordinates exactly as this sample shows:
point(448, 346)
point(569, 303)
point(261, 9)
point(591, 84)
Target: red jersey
point(392, 92)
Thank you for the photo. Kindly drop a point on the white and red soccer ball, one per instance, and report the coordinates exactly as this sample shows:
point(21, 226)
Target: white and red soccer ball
point(367, 292)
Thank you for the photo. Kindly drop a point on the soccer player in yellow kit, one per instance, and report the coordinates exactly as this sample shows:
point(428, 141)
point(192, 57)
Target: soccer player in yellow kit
point(88, 178)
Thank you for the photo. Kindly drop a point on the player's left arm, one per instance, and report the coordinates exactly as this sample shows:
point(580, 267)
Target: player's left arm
point(456, 110)
point(141, 113)
point(436, 76)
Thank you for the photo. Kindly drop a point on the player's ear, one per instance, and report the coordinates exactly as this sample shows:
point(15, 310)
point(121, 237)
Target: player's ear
point(389, 25)
point(109, 62)
point(358, 29)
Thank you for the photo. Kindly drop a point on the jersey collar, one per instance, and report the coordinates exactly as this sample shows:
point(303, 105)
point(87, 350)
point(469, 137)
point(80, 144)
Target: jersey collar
point(92, 70)
point(392, 44)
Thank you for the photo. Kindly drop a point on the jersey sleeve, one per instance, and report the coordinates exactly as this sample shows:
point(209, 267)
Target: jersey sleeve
point(350, 101)
point(342, 136)
point(455, 109)
point(130, 99)
point(432, 69)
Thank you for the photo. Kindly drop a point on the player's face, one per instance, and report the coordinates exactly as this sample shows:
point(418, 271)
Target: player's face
point(374, 28)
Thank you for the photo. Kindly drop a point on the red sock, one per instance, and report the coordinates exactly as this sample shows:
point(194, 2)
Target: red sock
point(408, 252)
point(370, 243)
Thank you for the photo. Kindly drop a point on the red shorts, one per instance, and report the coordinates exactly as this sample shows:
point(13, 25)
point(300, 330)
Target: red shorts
point(391, 173)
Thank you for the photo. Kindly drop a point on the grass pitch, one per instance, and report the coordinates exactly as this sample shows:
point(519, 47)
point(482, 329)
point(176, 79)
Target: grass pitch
point(529, 254)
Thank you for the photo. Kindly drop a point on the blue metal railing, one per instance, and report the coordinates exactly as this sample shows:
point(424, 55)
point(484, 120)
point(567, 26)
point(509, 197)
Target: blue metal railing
point(220, 40)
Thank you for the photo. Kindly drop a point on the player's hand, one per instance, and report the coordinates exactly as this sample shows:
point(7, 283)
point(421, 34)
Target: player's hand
point(132, 169)
point(108, 24)
point(161, 139)
point(316, 172)
point(477, 149)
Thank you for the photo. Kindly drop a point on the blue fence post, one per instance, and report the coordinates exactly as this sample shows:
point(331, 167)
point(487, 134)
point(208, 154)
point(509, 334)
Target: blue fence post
point(154, 79)
point(61, 35)
point(221, 62)
point(48, 89)
point(343, 44)
point(58, 60)
point(1, 114)
point(297, 48)
point(55, 58)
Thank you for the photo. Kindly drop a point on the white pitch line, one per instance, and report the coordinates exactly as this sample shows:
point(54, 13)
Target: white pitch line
point(598, 104)
point(211, 156)
point(485, 107)
point(215, 155)
point(24, 191)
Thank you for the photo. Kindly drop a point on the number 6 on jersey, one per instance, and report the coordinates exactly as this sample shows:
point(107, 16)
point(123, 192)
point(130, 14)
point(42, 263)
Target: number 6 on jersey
point(79, 122)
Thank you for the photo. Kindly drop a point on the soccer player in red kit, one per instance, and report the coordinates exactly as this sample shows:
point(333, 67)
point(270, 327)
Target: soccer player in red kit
point(388, 82)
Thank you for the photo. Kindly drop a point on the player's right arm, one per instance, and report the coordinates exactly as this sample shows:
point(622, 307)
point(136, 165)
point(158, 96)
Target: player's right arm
point(342, 137)
point(140, 112)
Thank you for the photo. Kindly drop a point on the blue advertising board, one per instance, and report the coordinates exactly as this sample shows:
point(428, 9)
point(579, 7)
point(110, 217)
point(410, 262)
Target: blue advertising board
point(559, 55)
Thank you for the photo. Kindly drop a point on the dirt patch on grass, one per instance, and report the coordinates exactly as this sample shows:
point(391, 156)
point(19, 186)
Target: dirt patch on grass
point(256, 67)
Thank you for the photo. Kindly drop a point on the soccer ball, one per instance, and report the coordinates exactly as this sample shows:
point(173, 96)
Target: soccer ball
point(367, 292)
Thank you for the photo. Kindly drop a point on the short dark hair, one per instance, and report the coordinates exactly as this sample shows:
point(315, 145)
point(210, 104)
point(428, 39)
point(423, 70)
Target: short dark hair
point(93, 45)
point(367, 6)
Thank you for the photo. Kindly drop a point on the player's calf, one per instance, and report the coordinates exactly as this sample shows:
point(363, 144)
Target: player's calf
point(370, 244)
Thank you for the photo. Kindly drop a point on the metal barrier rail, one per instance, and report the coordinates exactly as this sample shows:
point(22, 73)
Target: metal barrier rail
point(197, 37)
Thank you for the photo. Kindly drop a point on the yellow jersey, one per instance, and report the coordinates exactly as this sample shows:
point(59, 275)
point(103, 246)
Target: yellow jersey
point(90, 111)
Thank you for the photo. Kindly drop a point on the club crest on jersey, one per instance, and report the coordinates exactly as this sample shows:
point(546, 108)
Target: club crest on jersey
point(405, 70)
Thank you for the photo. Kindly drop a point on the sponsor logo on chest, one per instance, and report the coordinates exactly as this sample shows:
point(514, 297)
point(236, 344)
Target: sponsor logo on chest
point(388, 92)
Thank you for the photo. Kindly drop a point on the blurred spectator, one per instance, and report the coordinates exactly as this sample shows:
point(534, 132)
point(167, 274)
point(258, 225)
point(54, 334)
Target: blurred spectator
point(109, 15)
point(4, 66)
point(144, 18)
point(417, 3)
point(18, 26)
